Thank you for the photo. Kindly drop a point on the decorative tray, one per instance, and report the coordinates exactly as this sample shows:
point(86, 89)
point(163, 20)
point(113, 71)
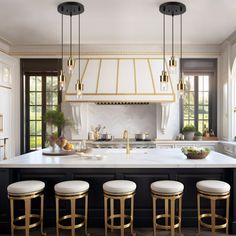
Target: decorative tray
point(58, 152)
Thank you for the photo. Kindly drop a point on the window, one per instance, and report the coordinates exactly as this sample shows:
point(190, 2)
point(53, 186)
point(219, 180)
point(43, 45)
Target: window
point(39, 94)
point(196, 101)
point(199, 102)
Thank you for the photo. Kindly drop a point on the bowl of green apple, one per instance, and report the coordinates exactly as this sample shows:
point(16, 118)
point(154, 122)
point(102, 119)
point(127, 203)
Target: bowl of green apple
point(195, 152)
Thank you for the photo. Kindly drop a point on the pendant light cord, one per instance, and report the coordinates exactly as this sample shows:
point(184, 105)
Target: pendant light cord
point(70, 36)
point(164, 52)
point(172, 35)
point(181, 47)
point(79, 48)
point(62, 42)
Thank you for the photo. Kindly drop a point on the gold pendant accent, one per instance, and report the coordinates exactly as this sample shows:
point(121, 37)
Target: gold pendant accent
point(164, 77)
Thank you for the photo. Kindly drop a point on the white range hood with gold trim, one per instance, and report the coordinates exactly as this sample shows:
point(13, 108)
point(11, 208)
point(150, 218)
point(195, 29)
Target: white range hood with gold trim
point(120, 80)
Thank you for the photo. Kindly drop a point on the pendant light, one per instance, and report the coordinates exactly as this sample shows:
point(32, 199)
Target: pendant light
point(171, 9)
point(62, 78)
point(181, 85)
point(172, 61)
point(70, 9)
point(79, 87)
point(164, 75)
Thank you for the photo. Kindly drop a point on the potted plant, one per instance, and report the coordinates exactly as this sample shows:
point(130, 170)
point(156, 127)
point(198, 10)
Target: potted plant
point(198, 136)
point(55, 118)
point(188, 132)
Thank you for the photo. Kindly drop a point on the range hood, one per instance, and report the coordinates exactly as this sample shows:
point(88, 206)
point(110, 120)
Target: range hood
point(120, 80)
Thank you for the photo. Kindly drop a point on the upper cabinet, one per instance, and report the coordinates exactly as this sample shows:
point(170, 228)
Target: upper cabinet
point(120, 79)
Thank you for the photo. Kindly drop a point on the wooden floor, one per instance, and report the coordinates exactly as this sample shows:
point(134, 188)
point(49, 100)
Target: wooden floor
point(139, 232)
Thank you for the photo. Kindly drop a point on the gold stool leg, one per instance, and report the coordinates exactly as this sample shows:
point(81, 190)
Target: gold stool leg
point(198, 213)
point(41, 214)
point(86, 216)
point(105, 214)
point(166, 211)
point(227, 216)
point(112, 212)
point(27, 215)
point(122, 217)
point(154, 215)
point(172, 216)
point(213, 218)
point(180, 215)
point(57, 215)
point(132, 216)
point(12, 216)
point(72, 206)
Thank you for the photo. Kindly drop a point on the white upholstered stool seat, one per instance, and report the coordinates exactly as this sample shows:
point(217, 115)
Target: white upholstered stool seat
point(26, 187)
point(167, 187)
point(71, 187)
point(119, 186)
point(213, 186)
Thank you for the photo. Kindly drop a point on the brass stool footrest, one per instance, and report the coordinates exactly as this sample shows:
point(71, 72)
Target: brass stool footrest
point(119, 226)
point(209, 226)
point(19, 218)
point(167, 227)
point(69, 217)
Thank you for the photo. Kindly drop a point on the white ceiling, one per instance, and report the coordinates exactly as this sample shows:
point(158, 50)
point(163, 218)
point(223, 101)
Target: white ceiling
point(36, 22)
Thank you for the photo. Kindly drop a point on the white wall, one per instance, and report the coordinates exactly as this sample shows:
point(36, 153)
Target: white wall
point(10, 103)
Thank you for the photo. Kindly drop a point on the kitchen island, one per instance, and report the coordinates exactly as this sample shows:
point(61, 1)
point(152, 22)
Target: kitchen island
point(142, 166)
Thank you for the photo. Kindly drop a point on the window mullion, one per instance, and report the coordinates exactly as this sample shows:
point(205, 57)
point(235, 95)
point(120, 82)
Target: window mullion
point(43, 110)
point(196, 101)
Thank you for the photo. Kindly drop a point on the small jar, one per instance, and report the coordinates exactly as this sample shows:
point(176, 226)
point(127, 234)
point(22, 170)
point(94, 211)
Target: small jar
point(91, 135)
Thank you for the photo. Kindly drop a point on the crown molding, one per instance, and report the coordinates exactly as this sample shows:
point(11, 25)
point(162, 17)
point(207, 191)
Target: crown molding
point(111, 49)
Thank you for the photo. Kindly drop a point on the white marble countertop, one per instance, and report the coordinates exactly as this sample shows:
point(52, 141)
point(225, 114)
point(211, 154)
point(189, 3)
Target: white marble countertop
point(117, 158)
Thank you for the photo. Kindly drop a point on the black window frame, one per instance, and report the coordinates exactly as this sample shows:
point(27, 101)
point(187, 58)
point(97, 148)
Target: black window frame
point(198, 67)
point(42, 67)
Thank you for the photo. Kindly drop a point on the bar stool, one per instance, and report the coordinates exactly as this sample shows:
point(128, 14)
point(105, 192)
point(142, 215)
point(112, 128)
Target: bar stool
point(26, 191)
point(213, 190)
point(120, 190)
point(169, 191)
point(72, 191)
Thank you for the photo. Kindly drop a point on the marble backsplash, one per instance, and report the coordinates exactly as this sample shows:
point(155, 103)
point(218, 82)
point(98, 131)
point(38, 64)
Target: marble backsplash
point(117, 118)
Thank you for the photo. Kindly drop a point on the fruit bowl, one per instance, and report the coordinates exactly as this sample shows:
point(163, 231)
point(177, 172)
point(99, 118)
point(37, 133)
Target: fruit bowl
point(195, 153)
point(61, 142)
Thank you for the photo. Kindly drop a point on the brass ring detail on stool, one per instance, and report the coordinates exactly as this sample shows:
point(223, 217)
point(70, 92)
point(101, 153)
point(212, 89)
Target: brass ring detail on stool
point(122, 215)
point(59, 220)
point(172, 198)
point(213, 197)
point(28, 216)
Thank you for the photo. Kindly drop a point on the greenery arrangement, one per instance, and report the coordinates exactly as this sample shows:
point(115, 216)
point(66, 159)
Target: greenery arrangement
point(198, 134)
point(56, 118)
point(189, 128)
point(195, 152)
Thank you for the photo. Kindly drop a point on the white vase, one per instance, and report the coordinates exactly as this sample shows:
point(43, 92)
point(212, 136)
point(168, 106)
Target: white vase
point(189, 135)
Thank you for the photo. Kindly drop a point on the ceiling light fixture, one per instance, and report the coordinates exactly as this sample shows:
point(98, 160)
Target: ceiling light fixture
point(62, 78)
point(172, 61)
point(171, 9)
point(181, 85)
point(71, 9)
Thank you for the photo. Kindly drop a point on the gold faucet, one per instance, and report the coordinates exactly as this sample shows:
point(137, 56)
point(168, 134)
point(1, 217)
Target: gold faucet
point(126, 137)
